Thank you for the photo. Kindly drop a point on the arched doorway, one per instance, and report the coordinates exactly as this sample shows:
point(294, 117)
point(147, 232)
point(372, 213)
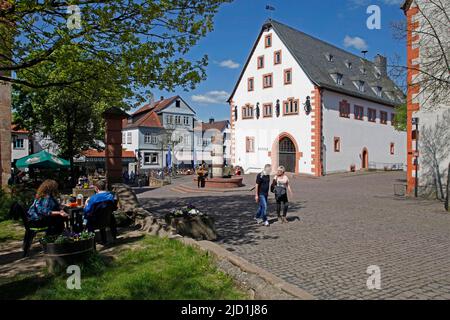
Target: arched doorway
point(287, 154)
point(365, 159)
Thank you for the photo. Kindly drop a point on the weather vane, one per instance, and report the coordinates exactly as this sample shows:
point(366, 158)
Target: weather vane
point(271, 9)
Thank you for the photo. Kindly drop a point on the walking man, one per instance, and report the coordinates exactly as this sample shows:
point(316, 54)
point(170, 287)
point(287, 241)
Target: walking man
point(262, 193)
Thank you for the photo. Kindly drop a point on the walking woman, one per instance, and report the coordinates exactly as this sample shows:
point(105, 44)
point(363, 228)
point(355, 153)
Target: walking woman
point(281, 188)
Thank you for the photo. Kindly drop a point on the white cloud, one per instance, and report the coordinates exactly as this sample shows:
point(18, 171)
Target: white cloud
point(215, 97)
point(355, 42)
point(230, 64)
point(360, 3)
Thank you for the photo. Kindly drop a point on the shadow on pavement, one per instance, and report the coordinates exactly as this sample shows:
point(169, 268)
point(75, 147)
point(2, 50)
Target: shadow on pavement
point(234, 215)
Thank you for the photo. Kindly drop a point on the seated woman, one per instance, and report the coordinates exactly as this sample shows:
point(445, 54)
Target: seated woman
point(45, 210)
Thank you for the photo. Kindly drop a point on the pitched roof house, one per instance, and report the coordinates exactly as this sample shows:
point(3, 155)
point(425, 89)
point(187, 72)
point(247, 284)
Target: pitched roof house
point(313, 107)
point(143, 132)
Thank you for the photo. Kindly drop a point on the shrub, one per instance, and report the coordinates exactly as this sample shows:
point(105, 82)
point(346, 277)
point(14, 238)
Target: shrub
point(20, 194)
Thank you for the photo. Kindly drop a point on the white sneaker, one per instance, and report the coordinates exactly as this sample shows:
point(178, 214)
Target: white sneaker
point(258, 221)
point(266, 223)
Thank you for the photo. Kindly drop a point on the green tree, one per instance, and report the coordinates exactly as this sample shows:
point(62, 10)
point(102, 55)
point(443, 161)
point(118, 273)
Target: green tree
point(149, 39)
point(71, 115)
point(401, 117)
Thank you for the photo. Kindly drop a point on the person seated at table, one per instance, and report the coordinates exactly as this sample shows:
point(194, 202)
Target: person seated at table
point(101, 197)
point(45, 210)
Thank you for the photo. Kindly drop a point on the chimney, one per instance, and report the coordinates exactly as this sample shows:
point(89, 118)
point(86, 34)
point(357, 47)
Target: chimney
point(381, 62)
point(211, 120)
point(162, 98)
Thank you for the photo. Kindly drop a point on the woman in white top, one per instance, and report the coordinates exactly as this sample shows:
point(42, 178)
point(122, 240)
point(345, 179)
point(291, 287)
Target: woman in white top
point(281, 189)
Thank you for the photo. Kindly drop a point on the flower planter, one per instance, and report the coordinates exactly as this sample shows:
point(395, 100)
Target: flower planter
point(60, 255)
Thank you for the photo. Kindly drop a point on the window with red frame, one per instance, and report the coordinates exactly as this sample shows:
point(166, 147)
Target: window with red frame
point(344, 109)
point(277, 57)
point(260, 62)
point(288, 76)
point(337, 144)
point(359, 113)
point(267, 110)
point(291, 106)
point(267, 81)
point(372, 115)
point(383, 117)
point(251, 84)
point(268, 41)
point(250, 144)
point(247, 112)
point(392, 148)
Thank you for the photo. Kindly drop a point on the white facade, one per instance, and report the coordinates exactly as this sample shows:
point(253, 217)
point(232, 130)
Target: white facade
point(266, 130)
point(357, 135)
point(149, 140)
point(255, 141)
point(20, 145)
point(203, 142)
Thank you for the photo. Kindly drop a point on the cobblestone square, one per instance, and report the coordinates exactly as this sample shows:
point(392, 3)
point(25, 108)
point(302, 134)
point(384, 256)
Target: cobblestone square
point(339, 226)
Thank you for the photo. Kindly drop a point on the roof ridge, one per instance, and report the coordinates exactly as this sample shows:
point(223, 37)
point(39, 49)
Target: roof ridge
point(322, 41)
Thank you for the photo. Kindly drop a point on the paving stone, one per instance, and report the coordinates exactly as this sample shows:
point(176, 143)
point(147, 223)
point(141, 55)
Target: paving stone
point(347, 223)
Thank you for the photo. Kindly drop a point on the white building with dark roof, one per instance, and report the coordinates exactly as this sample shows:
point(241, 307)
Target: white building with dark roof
point(204, 135)
point(152, 128)
point(313, 107)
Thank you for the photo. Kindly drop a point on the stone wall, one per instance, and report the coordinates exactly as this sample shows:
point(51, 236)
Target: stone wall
point(5, 132)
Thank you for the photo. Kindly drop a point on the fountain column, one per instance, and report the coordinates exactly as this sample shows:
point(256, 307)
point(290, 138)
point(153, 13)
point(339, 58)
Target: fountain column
point(217, 155)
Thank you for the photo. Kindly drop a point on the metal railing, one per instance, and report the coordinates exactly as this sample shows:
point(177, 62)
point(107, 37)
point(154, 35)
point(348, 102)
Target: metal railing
point(386, 166)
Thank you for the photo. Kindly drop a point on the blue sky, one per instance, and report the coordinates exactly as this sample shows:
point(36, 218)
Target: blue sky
point(340, 22)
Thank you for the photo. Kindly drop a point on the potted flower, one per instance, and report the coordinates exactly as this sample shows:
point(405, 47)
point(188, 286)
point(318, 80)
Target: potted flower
point(67, 248)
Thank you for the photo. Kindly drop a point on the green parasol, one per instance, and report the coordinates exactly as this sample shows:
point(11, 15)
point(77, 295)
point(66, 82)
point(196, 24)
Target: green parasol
point(42, 160)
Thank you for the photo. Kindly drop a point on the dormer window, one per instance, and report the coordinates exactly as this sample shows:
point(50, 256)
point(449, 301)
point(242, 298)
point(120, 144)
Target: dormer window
point(377, 72)
point(348, 64)
point(360, 85)
point(337, 77)
point(389, 95)
point(378, 91)
point(330, 57)
point(363, 70)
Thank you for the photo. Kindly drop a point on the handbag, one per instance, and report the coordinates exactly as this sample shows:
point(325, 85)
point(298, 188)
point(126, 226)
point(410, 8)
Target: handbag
point(278, 190)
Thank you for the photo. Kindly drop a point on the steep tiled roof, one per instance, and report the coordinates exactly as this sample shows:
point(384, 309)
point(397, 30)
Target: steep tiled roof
point(15, 129)
point(311, 54)
point(150, 120)
point(92, 153)
point(218, 125)
point(156, 106)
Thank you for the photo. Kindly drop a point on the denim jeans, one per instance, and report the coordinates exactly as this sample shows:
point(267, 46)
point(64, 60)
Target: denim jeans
point(262, 210)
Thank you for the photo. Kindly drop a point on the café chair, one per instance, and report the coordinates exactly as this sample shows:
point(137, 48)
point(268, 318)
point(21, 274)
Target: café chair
point(30, 232)
point(102, 217)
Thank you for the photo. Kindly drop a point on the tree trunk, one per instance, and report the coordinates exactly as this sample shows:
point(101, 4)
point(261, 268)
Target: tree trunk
point(447, 198)
point(69, 152)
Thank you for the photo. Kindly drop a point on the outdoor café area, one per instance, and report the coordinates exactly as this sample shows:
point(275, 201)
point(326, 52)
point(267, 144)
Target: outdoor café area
point(68, 222)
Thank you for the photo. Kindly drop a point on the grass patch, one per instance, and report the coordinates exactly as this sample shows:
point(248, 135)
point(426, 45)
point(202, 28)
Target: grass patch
point(159, 269)
point(11, 231)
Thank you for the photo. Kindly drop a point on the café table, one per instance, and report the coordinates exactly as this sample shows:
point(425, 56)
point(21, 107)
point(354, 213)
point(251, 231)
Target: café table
point(75, 218)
